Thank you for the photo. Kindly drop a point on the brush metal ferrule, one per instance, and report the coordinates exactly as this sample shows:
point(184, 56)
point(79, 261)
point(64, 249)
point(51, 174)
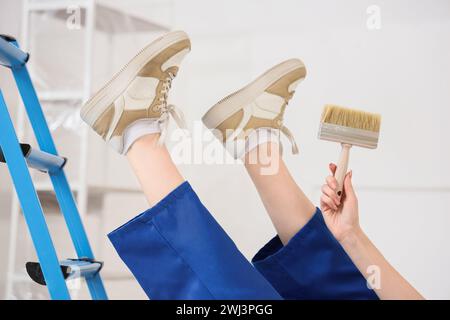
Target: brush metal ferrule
point(356, 137)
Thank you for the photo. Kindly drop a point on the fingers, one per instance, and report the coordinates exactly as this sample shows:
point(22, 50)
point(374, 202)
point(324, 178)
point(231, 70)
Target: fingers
point(332, 168)
point(331, 182)
point(331, 193)
point(329, 199)
point(327, 203)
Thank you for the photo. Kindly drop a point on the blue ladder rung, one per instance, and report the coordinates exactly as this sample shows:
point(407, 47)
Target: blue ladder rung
point(71, 269)
point(10, 55)
point(40, 160)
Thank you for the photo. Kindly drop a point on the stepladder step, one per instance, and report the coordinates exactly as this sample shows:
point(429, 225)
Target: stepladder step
point(39, 160)
point(70, 268)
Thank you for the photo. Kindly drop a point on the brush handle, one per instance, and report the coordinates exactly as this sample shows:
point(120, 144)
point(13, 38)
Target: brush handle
point(342, 166)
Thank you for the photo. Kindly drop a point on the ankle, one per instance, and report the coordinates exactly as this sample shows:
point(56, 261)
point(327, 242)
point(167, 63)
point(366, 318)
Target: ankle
point(139, 129)
point(147, 141)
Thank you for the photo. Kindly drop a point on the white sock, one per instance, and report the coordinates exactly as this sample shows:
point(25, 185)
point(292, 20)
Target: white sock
point(138, 129)
point(261, 136)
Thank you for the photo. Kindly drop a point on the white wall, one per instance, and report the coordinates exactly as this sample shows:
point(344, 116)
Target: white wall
point(401, 71)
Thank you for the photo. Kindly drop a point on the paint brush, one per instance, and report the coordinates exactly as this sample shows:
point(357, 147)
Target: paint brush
point(350, 128)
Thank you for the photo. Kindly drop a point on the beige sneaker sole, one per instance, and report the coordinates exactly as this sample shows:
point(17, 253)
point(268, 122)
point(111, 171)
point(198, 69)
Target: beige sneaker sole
point(98, 103)
point(235, 101)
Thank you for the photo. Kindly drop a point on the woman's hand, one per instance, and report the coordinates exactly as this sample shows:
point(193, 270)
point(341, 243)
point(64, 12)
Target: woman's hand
point(340, 215)
point(342, 219)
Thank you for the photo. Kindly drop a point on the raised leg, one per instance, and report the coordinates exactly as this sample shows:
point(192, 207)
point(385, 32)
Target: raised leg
point(287, 205)
point(154, 168)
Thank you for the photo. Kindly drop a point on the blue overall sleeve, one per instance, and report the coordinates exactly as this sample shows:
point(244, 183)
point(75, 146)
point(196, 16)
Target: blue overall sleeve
point(313, 265)
point(176, 250)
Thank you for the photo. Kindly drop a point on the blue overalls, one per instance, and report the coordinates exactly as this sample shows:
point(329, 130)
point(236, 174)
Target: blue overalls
point(176, 250)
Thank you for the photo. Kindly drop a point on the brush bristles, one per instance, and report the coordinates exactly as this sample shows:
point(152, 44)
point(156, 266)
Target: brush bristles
point(351, 118)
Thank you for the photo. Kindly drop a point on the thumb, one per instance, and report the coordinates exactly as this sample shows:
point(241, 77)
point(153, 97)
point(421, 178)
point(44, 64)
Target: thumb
point(348, 186)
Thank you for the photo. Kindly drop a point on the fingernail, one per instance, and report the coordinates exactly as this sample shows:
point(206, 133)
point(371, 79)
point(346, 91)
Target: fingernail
point(351, 173)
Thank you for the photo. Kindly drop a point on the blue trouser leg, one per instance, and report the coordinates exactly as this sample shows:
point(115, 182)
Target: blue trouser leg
point(176, 250)
point(313, 265)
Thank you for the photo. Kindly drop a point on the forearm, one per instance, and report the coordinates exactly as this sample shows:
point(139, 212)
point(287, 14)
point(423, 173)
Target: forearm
point(389, 285)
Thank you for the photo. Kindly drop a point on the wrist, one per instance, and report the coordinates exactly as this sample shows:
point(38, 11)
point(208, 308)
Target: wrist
point(352, 237)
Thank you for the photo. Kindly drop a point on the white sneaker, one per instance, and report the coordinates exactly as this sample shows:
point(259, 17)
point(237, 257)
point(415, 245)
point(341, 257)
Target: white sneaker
point(259, 105)
point(139, 91)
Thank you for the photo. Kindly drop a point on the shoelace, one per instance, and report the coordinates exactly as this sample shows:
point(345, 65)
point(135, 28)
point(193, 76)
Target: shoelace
point(291, 138)
point(168, 110)
point(288, 132)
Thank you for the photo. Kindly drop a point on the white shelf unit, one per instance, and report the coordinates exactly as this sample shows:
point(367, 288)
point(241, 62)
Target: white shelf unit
point(95, 16)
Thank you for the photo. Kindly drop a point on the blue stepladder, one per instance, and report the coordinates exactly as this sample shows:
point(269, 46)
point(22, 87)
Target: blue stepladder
point(19, 157)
